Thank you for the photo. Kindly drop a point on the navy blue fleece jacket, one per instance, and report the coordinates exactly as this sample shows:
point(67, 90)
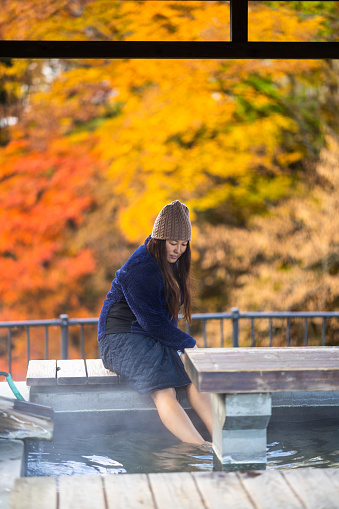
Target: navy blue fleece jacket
point(141, 282)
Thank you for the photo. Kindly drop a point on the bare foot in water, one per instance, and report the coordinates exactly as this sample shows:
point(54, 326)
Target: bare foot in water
point(206, 446)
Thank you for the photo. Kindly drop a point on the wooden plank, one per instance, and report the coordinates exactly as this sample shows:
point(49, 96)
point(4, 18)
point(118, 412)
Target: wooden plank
point(222, 489)
point(269, 490)
point(71, 372)
point(313, 488)
point(83, 492)
point(333, 475)
point(279, 381)
point(169, 49)
point(246, 359)
point(264, 369)
point(34, 493)
point(97, 374)
point(128, 491)
point(41, 372)
point(175, 491)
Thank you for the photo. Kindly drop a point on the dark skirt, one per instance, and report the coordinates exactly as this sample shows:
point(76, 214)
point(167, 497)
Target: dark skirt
point(145, 363)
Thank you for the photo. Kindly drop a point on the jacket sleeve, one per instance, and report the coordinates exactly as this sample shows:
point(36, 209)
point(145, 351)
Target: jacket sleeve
point(143, 293)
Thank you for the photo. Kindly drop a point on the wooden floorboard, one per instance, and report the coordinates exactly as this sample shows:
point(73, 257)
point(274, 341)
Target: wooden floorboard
point(71, 372)
point(270, 489)
point(175, 491)
point(42, 372)
point(331, 473)
point(33, 492)
point(97, 374)
point(314, 490)
point(128, 491)
point(79, 492)
point(221, 489)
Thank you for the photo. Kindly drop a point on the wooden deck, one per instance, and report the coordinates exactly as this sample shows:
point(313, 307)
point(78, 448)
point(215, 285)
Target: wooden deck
point(271, 489)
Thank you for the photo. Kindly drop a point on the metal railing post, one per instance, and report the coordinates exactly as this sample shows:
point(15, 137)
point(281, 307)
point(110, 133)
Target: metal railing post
point(221, 333)
point(46, 342)
point(28, 344)
point(64, 336)
point(205, 334)
point(82, 341)
point(235, 326)
point(9, 343)
point(323, 332)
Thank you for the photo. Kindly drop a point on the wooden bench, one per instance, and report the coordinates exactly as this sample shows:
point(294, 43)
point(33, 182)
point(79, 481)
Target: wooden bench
point(74, 385)
point(241, 381)
point(69, 372)
point(84, 385)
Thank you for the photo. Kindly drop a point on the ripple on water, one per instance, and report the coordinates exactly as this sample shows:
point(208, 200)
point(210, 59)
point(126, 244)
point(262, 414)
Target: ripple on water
point(310, 444)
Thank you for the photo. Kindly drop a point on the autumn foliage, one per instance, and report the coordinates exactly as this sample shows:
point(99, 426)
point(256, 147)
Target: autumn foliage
point(91, 150)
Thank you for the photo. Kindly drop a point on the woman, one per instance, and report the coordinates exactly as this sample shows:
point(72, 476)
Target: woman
point(138, 325)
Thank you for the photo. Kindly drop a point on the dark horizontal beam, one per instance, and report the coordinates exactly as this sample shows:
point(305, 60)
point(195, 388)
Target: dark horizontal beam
point(166, 49)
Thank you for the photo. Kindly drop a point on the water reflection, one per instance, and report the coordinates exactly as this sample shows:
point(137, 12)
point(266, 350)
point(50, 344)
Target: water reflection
point(183, 458)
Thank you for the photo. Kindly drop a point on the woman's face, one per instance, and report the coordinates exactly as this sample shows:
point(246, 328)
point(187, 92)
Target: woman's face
point(174, 249)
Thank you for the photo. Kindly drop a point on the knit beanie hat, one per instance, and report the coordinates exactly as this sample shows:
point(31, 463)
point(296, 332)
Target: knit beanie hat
point(173, 223)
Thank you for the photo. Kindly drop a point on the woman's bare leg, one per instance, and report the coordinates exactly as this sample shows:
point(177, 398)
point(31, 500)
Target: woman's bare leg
point(174, 417)
point(201, 403)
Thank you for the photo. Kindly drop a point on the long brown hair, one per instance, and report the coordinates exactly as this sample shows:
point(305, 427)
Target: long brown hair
point(176, 277)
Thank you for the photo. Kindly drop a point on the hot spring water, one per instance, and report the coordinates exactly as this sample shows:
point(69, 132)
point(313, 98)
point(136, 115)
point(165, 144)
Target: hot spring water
point(136, 442)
